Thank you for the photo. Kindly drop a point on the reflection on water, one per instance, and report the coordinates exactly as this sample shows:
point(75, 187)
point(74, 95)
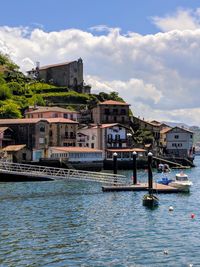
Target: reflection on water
point(76, 224)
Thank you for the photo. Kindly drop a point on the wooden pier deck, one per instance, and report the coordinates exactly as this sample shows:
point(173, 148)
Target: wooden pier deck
point(157, 188)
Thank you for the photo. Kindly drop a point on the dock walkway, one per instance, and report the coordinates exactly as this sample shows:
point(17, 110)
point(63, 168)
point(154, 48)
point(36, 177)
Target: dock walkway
point(24, 172)
point(157, 188)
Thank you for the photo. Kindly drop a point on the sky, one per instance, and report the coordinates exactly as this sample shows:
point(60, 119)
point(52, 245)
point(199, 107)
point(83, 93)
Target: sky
point(146, 50)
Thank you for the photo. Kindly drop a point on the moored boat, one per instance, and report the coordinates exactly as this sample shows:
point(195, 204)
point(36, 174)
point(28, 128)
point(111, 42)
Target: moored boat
point(164, 180)
point(150, 200)
point(181, 182)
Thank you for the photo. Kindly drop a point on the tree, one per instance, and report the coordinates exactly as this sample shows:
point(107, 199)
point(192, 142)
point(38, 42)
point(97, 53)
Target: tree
point(10, 110)
point(16, 88)
point(4, 92)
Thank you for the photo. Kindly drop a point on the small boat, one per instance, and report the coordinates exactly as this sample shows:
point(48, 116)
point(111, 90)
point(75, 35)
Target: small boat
point(164, 180)
point(181, 182)
point(150, 200)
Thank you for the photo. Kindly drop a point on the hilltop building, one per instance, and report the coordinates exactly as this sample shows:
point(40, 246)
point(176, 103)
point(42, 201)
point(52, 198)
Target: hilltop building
point(69, 74)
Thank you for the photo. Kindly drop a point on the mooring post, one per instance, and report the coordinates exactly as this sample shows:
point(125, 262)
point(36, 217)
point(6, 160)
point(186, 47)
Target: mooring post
point(115, 166)
point(134, 167)
point(150, 175)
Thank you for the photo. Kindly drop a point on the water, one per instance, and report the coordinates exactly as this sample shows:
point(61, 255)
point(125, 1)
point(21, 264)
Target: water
point(76, 224)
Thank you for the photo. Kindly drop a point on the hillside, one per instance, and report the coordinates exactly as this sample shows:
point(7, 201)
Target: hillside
point(17, 92)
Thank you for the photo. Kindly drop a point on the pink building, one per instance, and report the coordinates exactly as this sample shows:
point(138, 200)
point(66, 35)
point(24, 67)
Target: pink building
point(51, 112)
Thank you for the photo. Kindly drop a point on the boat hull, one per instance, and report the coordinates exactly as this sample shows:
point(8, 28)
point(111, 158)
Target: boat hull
point(182, 186)
point(150, 200)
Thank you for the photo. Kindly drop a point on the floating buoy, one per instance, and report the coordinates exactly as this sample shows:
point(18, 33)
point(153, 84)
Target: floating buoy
point(171, 208)
point(165, 252)
point(192, 216)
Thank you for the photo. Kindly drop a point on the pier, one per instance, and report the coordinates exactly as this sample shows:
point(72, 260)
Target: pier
point(157, 188)
point(15, 172)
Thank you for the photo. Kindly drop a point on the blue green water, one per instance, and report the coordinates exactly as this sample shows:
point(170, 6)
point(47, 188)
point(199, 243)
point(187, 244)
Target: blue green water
point(76, 224)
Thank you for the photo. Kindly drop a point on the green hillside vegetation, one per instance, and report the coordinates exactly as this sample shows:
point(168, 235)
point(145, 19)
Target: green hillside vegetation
point(17, 92)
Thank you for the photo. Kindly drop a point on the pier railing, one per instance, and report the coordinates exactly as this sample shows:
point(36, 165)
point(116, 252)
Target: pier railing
point(59, 173)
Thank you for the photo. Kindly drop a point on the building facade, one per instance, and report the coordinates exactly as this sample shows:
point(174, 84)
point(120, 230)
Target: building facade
point(111, 112)
point(104, 136)
point(179, 142)
point(69, 74)
point(51, 112)
point(39, 134)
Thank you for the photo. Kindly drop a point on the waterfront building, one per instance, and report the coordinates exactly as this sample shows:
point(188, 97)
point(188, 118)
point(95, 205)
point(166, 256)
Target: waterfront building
point(38, 134)
point(103, 136)
point(179, 142)
point(154, 127)
point(51, 112)
point(78, 157)
point(16, 153)
point(111, 111)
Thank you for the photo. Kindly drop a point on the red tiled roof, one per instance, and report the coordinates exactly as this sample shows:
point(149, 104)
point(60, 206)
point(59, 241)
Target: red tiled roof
point(32, 121)
point(52, 109)
point(76, 149)
point(165, 130)
point(12, 148)
point(106, 125)
point(55, 65)
point(112, 102)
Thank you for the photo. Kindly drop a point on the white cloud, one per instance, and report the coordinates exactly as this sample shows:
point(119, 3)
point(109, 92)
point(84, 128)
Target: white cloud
point(181, 20)
point(157, 74)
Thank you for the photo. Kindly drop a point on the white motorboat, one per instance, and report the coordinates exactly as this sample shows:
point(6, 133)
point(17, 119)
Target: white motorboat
point(181, 182)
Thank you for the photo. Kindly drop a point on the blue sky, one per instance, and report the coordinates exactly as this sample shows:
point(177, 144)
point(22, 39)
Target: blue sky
point(129, 15)
point(152, 61)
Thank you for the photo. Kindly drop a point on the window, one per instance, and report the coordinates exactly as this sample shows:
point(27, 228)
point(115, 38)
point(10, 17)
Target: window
point(92, 145)
point(41, 140)
point(107, 112)
point(42, 129)
point(115, 118)
point(176, 136)
point(123, 111)
point(115, 111)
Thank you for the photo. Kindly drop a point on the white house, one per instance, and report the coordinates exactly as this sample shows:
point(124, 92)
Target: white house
point(79, 157)
point(104, 136)
point(179, 142)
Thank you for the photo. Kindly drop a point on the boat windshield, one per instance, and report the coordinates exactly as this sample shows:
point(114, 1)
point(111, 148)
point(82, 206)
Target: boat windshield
point(181, 178)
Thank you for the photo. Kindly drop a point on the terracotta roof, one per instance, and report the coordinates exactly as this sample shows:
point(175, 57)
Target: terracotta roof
point(52, 109)
point(55, 65)
point(32, 121)
point(127, 150)
point(13, 148)
point(106, 125)
point(112, 102)
point(165, 130)
point(76, 149)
